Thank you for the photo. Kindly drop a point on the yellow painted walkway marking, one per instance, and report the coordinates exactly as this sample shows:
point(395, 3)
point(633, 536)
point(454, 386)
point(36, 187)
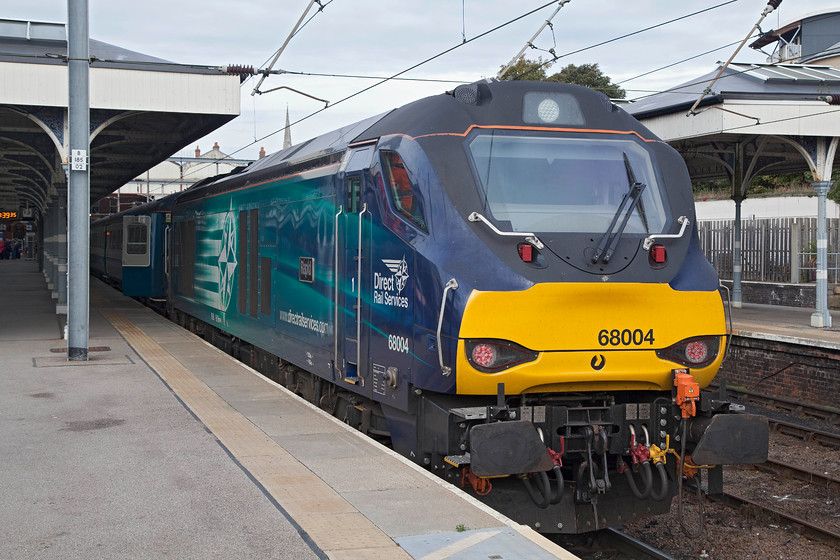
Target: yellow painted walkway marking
point(460, 546)
point(334, 524)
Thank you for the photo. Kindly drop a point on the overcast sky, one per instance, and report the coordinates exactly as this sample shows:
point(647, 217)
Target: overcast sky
point(382, 38)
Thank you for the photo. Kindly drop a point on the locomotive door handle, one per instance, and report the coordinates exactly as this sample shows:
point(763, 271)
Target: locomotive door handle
point(335, 293)
point(451, 285)
point(359, 295)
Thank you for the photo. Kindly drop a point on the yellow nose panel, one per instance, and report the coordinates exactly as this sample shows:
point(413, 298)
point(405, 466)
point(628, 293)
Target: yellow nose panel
point(590, 336)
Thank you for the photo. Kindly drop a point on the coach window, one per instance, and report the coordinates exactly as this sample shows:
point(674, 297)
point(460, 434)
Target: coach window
point(402, 191)
point(137, 238)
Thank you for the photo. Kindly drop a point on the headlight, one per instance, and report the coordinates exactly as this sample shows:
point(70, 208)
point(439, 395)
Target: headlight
point(491, 356)
point(698, 351)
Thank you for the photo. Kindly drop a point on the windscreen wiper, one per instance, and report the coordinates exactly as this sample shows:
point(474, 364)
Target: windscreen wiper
point(628, 205)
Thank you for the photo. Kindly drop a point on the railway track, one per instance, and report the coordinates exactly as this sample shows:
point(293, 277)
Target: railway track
point(806, 433)
point(609, 544)
point(630, 547)
point(823, 480)
point(805, 528)
point(822, 413)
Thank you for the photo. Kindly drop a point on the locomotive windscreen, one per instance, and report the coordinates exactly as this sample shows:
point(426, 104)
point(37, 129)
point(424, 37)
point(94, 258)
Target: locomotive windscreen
point(565, 183)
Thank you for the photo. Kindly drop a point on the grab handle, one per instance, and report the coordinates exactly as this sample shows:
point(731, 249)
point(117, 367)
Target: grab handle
point(649, 239)
point(359, 294)
point(336, 276)
point(529, 237)
point(451, 285)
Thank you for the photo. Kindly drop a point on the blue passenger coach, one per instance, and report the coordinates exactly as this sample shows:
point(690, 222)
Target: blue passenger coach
point(129, 249)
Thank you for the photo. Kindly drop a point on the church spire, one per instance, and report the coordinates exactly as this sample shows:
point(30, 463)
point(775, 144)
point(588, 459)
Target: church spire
point(287, 137)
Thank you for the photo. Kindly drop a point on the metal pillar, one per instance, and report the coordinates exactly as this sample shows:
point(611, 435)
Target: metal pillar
point(61, 255)
point(739, 188)
point(55, 235)
point(78, 193)
point(736, 255)
point(822, 317)
point(46, 252)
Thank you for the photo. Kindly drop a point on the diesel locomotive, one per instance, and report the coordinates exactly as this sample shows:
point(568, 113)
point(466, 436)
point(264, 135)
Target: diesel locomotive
point(504, 280)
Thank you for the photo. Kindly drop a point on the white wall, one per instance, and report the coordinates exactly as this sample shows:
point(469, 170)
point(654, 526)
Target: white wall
point(772, 207)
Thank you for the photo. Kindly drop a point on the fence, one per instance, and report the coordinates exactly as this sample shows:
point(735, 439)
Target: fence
point(772, 249)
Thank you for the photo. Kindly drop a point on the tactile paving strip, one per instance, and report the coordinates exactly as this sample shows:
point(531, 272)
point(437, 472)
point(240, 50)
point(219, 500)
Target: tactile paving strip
point(331, 522)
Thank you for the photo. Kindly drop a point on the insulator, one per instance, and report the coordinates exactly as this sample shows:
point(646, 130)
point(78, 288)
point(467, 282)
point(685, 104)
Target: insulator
point(774, 3)
point(832, 99)
point(239, 70)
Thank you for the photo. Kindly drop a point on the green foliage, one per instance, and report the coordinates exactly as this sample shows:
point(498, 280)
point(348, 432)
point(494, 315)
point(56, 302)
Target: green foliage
point(588, 75)
point(785, 184)
point(524, 69)
point(460, 527)
point(715, 190)
point(788, 182)
point(834, 193)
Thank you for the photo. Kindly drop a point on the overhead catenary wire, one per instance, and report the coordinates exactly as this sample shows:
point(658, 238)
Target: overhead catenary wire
point(382, 81)
point(266, 72)
point(530, 42)
point(771, 5)
point(397, 75)
point(614, 39)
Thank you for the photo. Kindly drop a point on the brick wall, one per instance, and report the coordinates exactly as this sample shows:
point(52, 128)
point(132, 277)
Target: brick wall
point(791, 295)
point(802, 373)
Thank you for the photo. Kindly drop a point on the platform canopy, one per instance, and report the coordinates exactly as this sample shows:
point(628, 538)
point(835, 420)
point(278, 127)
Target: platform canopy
point(142, 110)
point(778, 114)
point(758, 119)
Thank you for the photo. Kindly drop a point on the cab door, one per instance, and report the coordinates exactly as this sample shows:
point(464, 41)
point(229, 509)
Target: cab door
point(352, 307)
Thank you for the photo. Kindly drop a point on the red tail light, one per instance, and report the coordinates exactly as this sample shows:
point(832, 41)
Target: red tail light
point(693, 352)
point(491, 356)
point(657, 254)
point(526, 252)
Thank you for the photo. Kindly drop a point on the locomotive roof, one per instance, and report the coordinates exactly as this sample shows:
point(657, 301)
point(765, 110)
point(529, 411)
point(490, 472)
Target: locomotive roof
point(481, 103)
point(496, 104)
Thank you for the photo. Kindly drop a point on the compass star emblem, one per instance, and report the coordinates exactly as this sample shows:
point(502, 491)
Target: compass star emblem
point(227, 261)
point(400, 271)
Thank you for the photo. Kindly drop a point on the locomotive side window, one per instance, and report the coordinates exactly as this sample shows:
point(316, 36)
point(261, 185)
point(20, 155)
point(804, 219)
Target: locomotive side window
point(404, 195)
point(565, 183)
point(354, 194)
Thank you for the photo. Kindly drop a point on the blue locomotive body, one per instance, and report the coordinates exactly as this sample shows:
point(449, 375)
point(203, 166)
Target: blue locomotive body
point(503, 279)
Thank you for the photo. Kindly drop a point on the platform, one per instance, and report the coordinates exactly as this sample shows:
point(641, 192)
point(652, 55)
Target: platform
point(162, 446)
point(784, 324)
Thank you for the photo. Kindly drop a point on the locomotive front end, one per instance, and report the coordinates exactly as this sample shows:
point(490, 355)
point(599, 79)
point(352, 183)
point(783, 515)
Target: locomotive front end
point(595, 376)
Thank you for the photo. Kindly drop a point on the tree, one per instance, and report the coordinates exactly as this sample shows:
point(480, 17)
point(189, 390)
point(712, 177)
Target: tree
point(524, 69)
point(588, 75)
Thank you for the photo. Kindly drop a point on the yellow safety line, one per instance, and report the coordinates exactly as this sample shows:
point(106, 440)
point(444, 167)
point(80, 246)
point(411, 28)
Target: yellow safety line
point(334, 524)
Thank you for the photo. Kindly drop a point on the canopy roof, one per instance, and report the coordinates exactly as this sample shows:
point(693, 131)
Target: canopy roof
point(142, 110)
